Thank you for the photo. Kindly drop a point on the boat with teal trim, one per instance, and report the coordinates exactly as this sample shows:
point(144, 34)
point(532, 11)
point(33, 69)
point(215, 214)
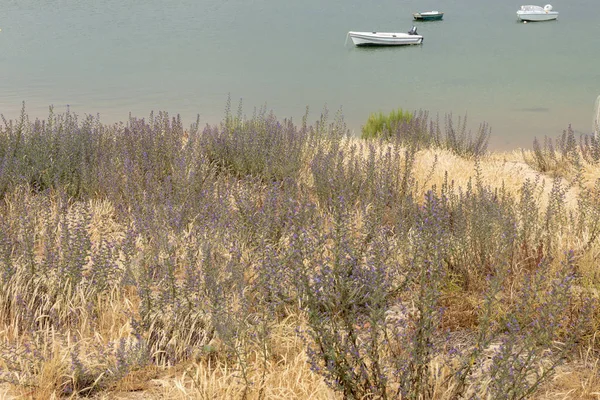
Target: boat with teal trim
point(428, 16)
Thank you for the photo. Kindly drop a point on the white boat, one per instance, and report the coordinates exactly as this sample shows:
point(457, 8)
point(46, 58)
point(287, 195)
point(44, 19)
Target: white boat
point(428, 16)
point(385, 38)
point(537, 13)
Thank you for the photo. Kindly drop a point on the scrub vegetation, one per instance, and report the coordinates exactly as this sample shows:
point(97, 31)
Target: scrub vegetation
point(379, 124)
point(263, 259)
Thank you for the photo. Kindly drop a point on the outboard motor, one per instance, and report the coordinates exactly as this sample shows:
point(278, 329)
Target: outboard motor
point(413, 30)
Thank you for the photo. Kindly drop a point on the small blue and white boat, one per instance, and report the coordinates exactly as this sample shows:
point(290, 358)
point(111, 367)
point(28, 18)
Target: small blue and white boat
point(429, 16)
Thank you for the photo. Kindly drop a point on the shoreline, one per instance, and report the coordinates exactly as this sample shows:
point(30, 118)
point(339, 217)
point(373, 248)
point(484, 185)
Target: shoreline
point(497, 142)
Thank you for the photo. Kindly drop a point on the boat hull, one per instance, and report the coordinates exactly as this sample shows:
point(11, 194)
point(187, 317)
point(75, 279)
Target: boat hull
point(537, 16)
point(428, 17)
point(384, 39)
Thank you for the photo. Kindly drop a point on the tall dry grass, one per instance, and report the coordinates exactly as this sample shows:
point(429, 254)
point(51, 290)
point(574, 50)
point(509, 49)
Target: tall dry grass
point(259, 259)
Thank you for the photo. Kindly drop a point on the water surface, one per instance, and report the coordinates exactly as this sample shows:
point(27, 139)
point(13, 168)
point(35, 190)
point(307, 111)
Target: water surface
point(116, 57)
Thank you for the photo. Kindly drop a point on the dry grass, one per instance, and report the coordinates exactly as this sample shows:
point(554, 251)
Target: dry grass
point(286, 374)
point(498, 170)
point(580, 380)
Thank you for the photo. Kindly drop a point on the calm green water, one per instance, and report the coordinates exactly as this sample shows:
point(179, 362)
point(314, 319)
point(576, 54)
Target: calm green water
point(114, 57)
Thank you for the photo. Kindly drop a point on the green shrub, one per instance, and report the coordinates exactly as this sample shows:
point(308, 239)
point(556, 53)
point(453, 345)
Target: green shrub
point(379, 124)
